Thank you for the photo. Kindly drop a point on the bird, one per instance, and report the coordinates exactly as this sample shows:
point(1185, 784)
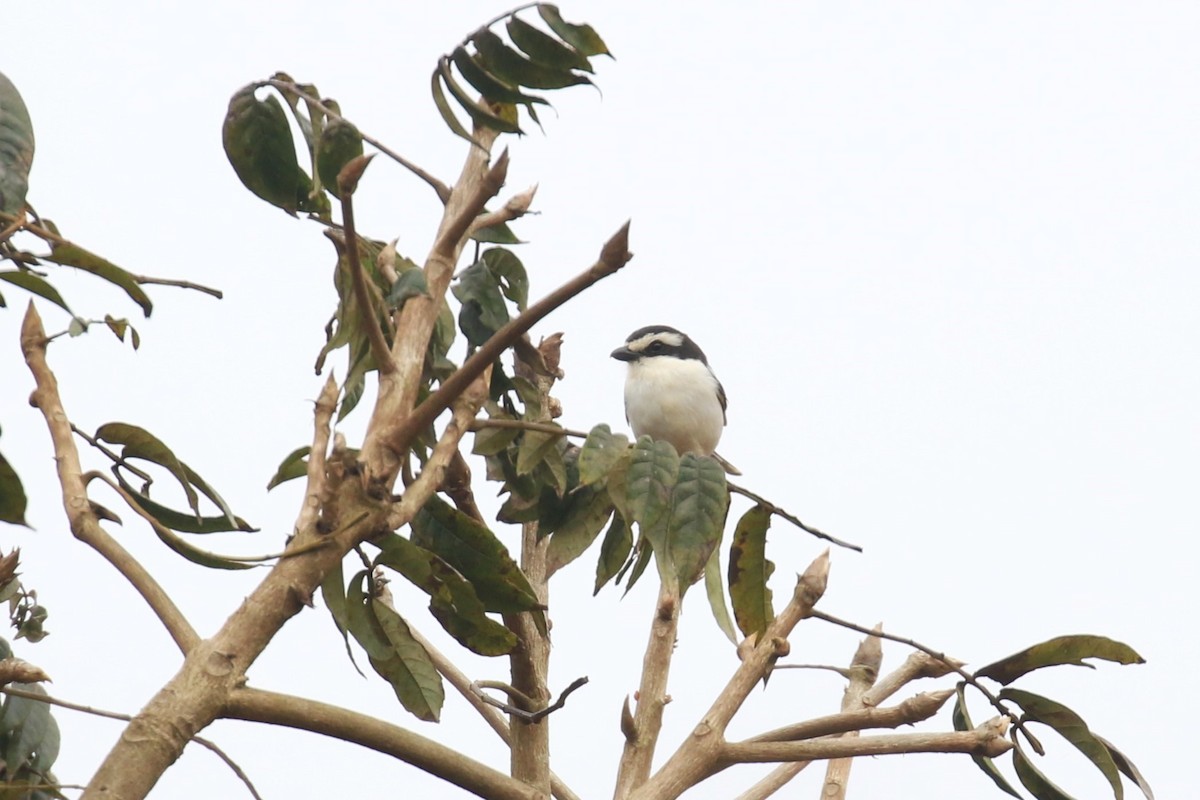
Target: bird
point(671, 393)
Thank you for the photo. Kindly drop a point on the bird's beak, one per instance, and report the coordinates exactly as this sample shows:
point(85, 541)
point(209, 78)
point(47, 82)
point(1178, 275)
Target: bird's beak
point(624, 354)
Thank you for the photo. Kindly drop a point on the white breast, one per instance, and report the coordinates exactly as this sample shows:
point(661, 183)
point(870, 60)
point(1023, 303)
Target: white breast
point(674, 400)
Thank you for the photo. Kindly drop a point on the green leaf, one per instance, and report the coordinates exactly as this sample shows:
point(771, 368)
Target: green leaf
point(340, 143)
point(12, 495)
point(544, 49)
point(644, 552)
point(411, 672)
point(452, 600)
point(490, 441)
point(1060, 650)
point(714, 587)
point(294, 465)
point(16, 148)
point(1127, 767)
point(600, 452)
point(1071, 727)
point(36, 284)
point(534, 448)
point(120, 327)
point(258, 142)
point(474, 551)
point(962, 722)
point(198, 556)
point(443, 107)
point(699, 504)
point(483, 311)
point(653, 471)
point(393, 653)
point(509, 273)
point(185, 523)
point(333, 593)
point(72, 255)
point(749, 569)
point(31, 733)
point(480, 114)
point(582, 37)
point(140, 443)
point(409, 283)
point(514, 69)
point(1032, 778)
point(487, 84)
point(496, 234)
point(614, 551)
point(588, 512)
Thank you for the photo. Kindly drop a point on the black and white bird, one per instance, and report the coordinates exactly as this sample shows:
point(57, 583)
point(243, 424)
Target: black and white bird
point(671, 394)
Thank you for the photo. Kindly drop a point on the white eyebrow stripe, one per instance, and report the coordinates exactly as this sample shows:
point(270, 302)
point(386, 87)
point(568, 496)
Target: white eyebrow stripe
point(667, 338)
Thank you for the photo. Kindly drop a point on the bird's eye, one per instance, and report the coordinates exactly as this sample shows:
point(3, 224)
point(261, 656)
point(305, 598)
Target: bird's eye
point(654, 347)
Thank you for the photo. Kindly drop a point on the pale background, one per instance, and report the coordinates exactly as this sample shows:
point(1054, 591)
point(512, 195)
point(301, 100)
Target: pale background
point(942, 255)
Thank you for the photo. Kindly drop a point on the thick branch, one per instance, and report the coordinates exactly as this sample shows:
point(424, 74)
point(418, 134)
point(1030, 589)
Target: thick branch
point(652, 695)
point(913, 710)
point(864, 668)
point(216, 667)
point(986, 740)
point(314, 489)
point(256, 705)
point(698, 755)
point(84, 523)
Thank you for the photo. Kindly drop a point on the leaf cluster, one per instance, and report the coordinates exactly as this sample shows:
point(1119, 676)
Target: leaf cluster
point(504, 73)
point(1035, 708)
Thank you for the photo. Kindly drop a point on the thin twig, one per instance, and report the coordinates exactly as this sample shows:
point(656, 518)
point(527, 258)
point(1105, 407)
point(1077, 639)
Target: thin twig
point(45, 234)
point(522, 425)
point(116, 459)
point(146, 279)
point(792, 518)
point(443, 191)
point(531, 717)
point(98, 712)
point(953, 664)
point(495, 720)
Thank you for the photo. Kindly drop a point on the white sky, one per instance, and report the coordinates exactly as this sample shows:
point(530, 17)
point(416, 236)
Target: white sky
point(942, 256)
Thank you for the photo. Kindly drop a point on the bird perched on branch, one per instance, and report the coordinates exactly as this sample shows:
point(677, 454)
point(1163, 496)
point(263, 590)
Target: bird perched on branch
point(671, 394)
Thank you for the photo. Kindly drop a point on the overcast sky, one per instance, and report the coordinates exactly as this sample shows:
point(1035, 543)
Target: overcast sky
point(943, 257)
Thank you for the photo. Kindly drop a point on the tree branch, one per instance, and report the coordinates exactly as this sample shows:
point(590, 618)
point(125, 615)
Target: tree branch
point(98, 712)
point(986, 740)
point(83, 521)
point(459, 680)
point(864, 669)
point(314, 488)
point(915, 709)
point(698, 755)
point(651, 697)
point(953, 665)
point(614, 255)
point(792, 518)
point(257, 705)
